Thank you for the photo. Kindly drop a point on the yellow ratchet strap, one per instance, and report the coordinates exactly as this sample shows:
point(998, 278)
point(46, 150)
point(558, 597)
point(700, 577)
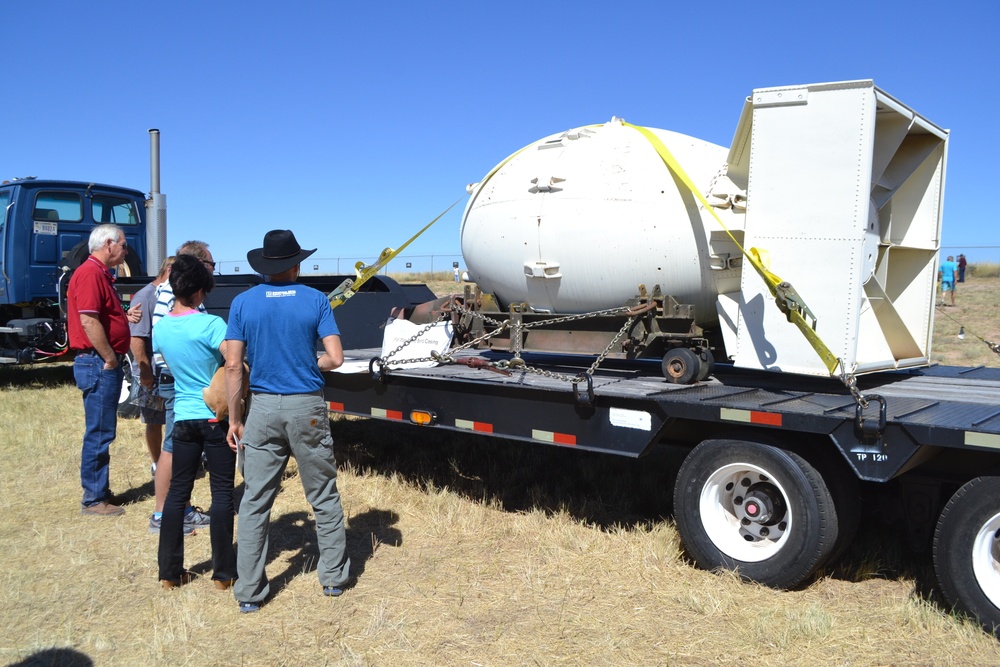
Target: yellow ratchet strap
point(787, 299)
point(350, 287)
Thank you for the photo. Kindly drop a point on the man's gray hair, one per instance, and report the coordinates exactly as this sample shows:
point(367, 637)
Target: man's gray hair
point(101, 234)
point(197, 249)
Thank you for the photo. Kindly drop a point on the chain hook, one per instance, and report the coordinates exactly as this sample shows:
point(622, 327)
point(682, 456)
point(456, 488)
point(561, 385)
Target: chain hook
point(377, 375)
point(585, 398)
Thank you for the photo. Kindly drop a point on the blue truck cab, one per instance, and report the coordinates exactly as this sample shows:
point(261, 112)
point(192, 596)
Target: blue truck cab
point(45, 226)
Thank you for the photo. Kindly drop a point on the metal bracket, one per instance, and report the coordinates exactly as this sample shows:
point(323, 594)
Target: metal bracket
point(869, 430)
point(380, 374)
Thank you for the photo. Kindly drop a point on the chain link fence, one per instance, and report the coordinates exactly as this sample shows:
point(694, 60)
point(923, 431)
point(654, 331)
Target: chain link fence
point(337, 266)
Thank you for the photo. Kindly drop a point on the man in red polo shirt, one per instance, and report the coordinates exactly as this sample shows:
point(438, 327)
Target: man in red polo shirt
point(99, 332)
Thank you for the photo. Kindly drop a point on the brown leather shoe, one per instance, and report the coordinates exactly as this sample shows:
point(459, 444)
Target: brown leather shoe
point(223, 584)
point(103, 509)
point(170, 584)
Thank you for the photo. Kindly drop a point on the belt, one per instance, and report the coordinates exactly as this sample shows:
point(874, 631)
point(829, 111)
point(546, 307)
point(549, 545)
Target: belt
point(122, 359)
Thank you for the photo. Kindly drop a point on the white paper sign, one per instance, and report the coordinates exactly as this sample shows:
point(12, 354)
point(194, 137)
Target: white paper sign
point(437, 338)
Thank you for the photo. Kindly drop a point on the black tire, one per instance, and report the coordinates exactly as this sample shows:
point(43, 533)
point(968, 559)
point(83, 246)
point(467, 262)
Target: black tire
point(840, 479)
point(845, 489)
point(126, 410)
point(967, 551)
point(706, 364)
point(77, 255)
point(680, 365)
point(759, 510)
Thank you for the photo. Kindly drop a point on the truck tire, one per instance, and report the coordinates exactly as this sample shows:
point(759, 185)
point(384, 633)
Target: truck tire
point(78, 255)
point(756, 509)
point(967, 551)
point(127, 410)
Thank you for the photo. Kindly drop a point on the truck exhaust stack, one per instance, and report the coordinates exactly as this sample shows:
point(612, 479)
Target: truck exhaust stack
point(156, 210)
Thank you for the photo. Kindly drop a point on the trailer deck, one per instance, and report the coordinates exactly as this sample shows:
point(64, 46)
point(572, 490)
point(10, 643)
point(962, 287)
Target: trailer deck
point(633, 407)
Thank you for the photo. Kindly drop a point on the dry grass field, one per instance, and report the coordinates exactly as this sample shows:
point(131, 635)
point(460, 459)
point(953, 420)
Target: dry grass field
point(465, 551)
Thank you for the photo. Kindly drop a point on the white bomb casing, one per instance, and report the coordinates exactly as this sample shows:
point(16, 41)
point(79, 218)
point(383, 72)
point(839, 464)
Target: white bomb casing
point(577, 221)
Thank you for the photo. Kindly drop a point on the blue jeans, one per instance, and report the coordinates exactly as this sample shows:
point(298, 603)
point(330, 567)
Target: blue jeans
point(167, 393)
point(101, 390)
point(192, 437)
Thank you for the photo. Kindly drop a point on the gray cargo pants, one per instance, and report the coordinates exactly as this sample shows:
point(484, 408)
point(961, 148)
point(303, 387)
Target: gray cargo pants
point(279, 426)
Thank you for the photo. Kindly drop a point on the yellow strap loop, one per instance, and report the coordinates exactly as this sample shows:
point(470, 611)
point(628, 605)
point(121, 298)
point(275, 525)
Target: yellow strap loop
point(349, 287)
point(785, 295)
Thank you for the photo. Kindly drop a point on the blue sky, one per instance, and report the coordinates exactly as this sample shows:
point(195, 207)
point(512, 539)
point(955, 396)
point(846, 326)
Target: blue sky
point(354, 124)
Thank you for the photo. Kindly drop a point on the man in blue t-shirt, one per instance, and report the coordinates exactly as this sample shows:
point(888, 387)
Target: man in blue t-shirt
point(277, 325)
point(946, 274)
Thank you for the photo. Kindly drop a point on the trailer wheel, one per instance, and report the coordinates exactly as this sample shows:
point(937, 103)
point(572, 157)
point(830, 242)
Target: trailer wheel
point(680, 365)
point(760, 510)
point(967, 551)
point(126, 409)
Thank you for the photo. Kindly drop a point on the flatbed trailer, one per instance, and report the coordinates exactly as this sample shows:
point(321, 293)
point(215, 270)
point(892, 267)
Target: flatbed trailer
point(771, 484)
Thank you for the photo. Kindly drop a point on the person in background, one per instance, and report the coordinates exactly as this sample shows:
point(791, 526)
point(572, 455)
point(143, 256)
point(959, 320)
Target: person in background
point(278, 324)
point(194, 518)
point(961, 268)
point(192, 344)
point(946, 274)
point(99, 332)
point(457, 275)
point(142, 352)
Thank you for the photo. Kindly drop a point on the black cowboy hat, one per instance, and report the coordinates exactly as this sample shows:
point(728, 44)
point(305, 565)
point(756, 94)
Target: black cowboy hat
point(280, 252)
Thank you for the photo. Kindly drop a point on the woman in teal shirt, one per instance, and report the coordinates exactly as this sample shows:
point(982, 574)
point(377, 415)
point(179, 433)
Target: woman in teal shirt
point(192, 343)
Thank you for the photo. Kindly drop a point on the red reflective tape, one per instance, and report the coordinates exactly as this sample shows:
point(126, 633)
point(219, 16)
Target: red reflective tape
point(336, 407)
point(564, 438)
point(387, 414)
point(553, 437)
point(769, 418)
point(469, 425)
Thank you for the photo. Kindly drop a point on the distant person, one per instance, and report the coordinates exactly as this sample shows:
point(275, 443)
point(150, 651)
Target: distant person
point(277, 324)
point(961, 268)
point(457, 275)
point(194, 518)
point(99, 331)
point(142, 354)
point(192, 344)
point(946, 274)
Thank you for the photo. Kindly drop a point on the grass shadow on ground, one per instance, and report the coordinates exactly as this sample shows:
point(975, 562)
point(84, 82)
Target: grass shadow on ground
point(64, 657)
point(600, 490)
point(295, 533)
point(50, 374)
point(888, 547)
point(597, 489)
